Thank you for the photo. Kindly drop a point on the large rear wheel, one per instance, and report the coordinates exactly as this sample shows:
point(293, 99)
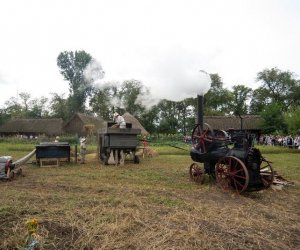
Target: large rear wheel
point(266, 173)
point(232, 174)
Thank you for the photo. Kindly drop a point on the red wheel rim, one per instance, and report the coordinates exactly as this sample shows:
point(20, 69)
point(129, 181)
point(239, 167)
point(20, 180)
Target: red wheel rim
point(232, 174)
point(196, 173)
point(202, 137)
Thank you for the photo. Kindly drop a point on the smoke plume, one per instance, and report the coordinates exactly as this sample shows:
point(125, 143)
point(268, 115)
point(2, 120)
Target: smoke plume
point(93, 72)
point(171, 76)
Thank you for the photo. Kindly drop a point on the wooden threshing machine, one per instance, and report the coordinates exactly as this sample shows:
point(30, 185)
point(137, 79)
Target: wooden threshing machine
point(112, 140)
point(231, 159)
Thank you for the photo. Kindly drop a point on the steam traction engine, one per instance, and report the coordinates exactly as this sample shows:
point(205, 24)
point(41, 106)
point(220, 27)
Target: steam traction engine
point(230, 159)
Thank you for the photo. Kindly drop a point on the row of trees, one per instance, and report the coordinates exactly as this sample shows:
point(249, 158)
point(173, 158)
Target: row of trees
point(277, 99)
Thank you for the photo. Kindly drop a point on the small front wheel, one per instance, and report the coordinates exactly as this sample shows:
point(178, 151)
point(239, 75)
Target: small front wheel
point(197, 173)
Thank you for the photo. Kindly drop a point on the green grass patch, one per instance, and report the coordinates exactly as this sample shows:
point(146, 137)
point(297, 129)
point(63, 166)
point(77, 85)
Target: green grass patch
point(151, 205)
point(112, 201)
point(5, 210)
point(165, 201)
point(173, 149)
point(277, 150)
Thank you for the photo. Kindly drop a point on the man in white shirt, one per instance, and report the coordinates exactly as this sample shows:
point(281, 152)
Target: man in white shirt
point(119, 120)
point(118, 155)
point(82, 150)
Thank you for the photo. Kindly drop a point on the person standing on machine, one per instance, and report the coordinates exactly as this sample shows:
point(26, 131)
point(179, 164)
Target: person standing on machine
point(119, 120)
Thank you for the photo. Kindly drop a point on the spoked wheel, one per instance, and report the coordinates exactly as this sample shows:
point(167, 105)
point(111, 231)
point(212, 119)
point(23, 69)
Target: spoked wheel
point(197, 173)
point(266, 173)
point(232, 174)
point(202, 137)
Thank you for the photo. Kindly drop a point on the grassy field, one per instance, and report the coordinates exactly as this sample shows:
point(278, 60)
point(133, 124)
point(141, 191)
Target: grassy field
point(151, 205)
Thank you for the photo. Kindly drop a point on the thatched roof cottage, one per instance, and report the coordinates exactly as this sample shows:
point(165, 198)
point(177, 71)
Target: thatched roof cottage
point(83, 125)
point(32, 127)
point(247, 122)
point(135, 123)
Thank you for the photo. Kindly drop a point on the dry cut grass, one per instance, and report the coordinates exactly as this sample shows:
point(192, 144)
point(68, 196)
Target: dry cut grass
point(152, 205)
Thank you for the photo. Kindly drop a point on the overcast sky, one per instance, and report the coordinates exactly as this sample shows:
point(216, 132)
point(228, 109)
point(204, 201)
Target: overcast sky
point(163, 43)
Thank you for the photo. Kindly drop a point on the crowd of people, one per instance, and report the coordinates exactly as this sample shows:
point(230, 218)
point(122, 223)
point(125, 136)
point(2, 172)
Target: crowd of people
point(271, 140)
point(277, 140)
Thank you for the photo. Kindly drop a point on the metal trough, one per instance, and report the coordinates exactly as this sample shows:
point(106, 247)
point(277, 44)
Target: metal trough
point(52, 151)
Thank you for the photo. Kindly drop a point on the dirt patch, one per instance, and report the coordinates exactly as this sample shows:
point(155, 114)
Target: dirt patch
point(59, 236)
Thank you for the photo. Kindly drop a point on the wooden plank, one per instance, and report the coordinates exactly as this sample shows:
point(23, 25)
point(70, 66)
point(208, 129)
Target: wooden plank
point(49, 160)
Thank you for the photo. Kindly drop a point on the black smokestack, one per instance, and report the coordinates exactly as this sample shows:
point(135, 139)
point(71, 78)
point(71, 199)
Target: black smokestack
point(200, 106)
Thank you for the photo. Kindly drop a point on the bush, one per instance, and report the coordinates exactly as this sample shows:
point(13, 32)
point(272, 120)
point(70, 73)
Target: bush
point(164, 139)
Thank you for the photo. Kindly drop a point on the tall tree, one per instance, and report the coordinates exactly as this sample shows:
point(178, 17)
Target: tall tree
point(38, 108)
point(150, 119)
point(58, 106)
point(186, 115)
point(273, 119)
point(4, 116)
point(292, 119)
point(240, 96)
point(217, 100)
point(13, 108)
point(168, 117)
point(112, 97)
point(25, 97)
point(72, 66)
point(25, 107)
point(102, 100)
point(131, 93)
point(281, 87)
point(259, 100)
